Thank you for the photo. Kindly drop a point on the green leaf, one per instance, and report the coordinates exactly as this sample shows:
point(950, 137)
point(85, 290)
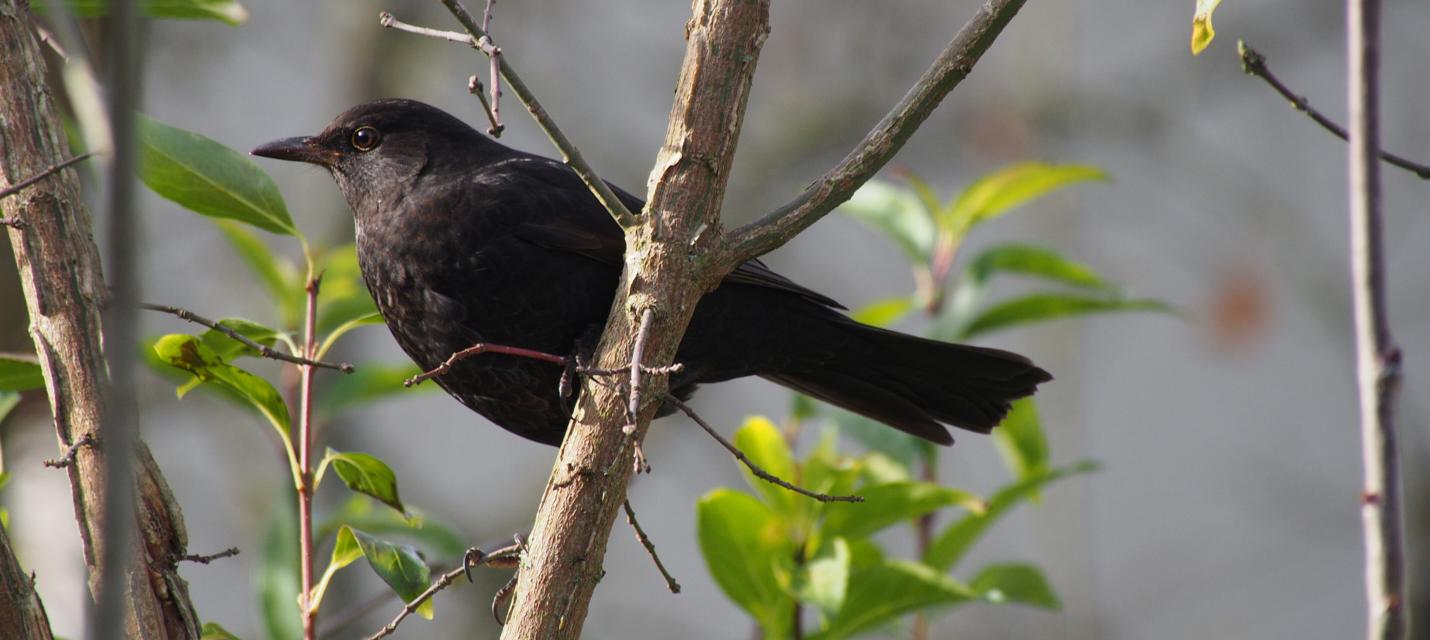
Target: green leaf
point(227, 348)
point(1015, 583)
point(1041, 307)
point(823, 581)
point(191, 354)
point(209, 178)
point(742, 541)
point(400, 566)
point(882, 469)
point(881, 594)
point(279, 276)
point(215, 631)
point(888, 504)
point(278, 579)
point(346, 550)
point(369, 383)
point(1021, 441)
point(19, 372)
point(1000, 191)
point(344, 297)
point(360, 512)
point(365, 474)
point(896, 211)
point(882, 313)
point(8, 401)
point(1031, 260)
point(229, 12)
point(951, 545)
point(764, 445)
point(1202, 31)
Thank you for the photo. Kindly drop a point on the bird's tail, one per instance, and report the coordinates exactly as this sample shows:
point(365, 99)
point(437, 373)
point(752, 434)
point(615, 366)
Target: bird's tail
point(915, 384)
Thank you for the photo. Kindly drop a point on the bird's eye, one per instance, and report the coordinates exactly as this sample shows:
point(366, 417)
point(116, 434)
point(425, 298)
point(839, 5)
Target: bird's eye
point(366, 138)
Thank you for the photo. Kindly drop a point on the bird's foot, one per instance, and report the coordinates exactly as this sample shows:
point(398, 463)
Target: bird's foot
point(506, 557)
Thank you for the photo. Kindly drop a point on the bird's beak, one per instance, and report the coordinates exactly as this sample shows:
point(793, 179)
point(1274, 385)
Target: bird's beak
point(297, 149)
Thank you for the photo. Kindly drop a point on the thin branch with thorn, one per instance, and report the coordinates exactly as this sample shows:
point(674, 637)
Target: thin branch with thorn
point(263, 350)
point(478, 349)
point(750, 464)
point(68, 458)
point(474, 557)
point(1254, 63)
point(650, 548)
point(480, 40)
point(49, 171)
point(202, 559)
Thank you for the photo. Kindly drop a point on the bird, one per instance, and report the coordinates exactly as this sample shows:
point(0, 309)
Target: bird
point(463, 240)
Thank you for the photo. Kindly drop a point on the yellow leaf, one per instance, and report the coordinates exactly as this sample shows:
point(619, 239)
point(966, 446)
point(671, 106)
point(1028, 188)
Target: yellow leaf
point(1202, 31)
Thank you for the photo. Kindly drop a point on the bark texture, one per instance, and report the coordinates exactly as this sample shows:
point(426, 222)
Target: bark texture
point(667, 270)
point(22, 614)
point(64, 292)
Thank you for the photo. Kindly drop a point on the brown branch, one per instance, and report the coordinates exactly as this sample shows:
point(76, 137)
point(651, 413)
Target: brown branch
point(473, 558)
point(1377, 356)
point(265, 351)
point(47, 172)
point(64, 291)
point(879, 145)
point(22, 613)
point(750, 464)
point(644, 539)
point(478, 349)
point(67, 458)
point(205, 559)
point(1254, 63)
point(481, 40)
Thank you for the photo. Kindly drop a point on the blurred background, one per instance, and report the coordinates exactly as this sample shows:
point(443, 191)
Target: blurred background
point(1227, 504)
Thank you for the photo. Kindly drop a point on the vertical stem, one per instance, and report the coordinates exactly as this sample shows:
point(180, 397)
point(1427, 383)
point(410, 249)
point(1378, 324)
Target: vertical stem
point(305, 466)
point(118, 569)
point(924, 533)
point(1377, 357)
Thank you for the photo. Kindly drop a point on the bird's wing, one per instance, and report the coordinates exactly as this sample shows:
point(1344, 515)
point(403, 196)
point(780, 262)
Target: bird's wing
point(558, 212)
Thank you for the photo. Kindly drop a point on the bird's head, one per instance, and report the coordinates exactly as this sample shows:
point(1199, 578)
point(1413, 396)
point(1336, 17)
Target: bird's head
point(377, 150)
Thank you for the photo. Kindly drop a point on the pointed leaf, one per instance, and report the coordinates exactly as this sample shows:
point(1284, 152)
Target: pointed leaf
point(191, 354)
point(366, 474)
point(742, 542)
point(209, 178)
point(229, 12)
point(951, 545)
point(1041, 307)
point(881, 594)
point(19, 372)
point(227, 348)
point(345, 551)
point(1202, 31)
point(1015, 583)
point(762, 442)
point(1021, 441)
point(1001, 191)
point(897, 212)
point(888, 504)
point(1031, 260)
point(215, 631)
point(438, 538)
point(400, 566)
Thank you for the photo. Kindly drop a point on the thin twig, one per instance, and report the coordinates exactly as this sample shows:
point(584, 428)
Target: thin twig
point(202, 559)
point(644, 539)
point(390, 21)
point(265, 351)
point(1378, 359)
point(474, 87)
point(49, 171)
point(68, 458)
point(14, 222)
point(48, 37)
point(1254, 63)
point(880, 144)
point(473, 558)
point(633, 408)
point(478, 349)
point(749, 464)
point(569, 153)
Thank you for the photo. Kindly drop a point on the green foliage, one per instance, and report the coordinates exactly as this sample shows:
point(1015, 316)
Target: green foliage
point(365, 474)
point(8, 401)
point(208, 178)
point(193, 354)
point(20, 372)
point(226, 11)
point(1020, 583)
point(215, 631)
point(747, 553)
point(1041, 307)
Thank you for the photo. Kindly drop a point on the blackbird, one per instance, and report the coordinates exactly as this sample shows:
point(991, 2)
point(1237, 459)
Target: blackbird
point(464, 240)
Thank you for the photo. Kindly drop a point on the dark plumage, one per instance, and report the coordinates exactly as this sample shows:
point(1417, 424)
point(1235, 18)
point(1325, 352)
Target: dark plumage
point(464, 240)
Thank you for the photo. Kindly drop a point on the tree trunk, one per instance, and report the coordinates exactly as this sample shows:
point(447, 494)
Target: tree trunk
point(22, 615)
point(64, 292)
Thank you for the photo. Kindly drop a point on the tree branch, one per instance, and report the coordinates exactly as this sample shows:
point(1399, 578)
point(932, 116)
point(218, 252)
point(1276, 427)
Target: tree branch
point(879, 145)
point(22, 613)
point(1254, 63)
point(666, 272)
point(644, 539)
point(64, 291)
point(49, 171)
point(263, 350)
point(1377, 356)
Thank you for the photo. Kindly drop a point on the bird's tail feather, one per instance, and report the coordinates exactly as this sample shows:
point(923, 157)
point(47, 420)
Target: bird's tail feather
point(914, 384)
